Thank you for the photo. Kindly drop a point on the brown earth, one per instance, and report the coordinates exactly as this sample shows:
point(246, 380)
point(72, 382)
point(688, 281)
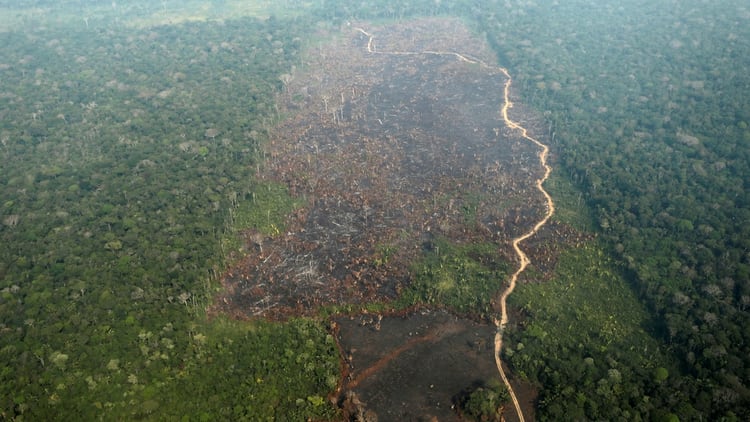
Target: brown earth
point(415, 367)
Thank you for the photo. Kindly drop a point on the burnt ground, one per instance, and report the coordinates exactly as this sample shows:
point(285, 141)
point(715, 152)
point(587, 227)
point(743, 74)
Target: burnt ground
point(388, 151)
point(414, 367)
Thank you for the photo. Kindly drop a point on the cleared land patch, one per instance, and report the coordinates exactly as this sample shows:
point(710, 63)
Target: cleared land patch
point(387, 153)
point(411, 188)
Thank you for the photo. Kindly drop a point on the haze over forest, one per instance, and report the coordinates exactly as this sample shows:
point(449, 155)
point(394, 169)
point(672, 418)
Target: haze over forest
point(230, 210)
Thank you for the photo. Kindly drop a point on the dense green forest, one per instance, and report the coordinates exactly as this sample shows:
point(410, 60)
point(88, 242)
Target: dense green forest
point(129, 132)
point(647, 102)
point(122, 151)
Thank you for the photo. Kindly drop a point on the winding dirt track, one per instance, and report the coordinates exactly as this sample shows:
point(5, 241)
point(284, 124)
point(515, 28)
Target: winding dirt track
point(522, 257)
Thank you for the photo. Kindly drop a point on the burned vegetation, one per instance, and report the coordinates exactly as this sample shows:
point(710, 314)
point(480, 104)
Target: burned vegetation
point(387, 153)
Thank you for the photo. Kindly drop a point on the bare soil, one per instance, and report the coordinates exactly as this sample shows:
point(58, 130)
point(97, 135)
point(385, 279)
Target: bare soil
point(415, 367)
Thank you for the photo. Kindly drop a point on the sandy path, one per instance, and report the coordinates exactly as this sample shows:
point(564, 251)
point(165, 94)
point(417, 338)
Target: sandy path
point(522, 257)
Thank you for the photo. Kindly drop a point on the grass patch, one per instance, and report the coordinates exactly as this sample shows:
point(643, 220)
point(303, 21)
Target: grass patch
point(462, 277)
point(265, 209)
